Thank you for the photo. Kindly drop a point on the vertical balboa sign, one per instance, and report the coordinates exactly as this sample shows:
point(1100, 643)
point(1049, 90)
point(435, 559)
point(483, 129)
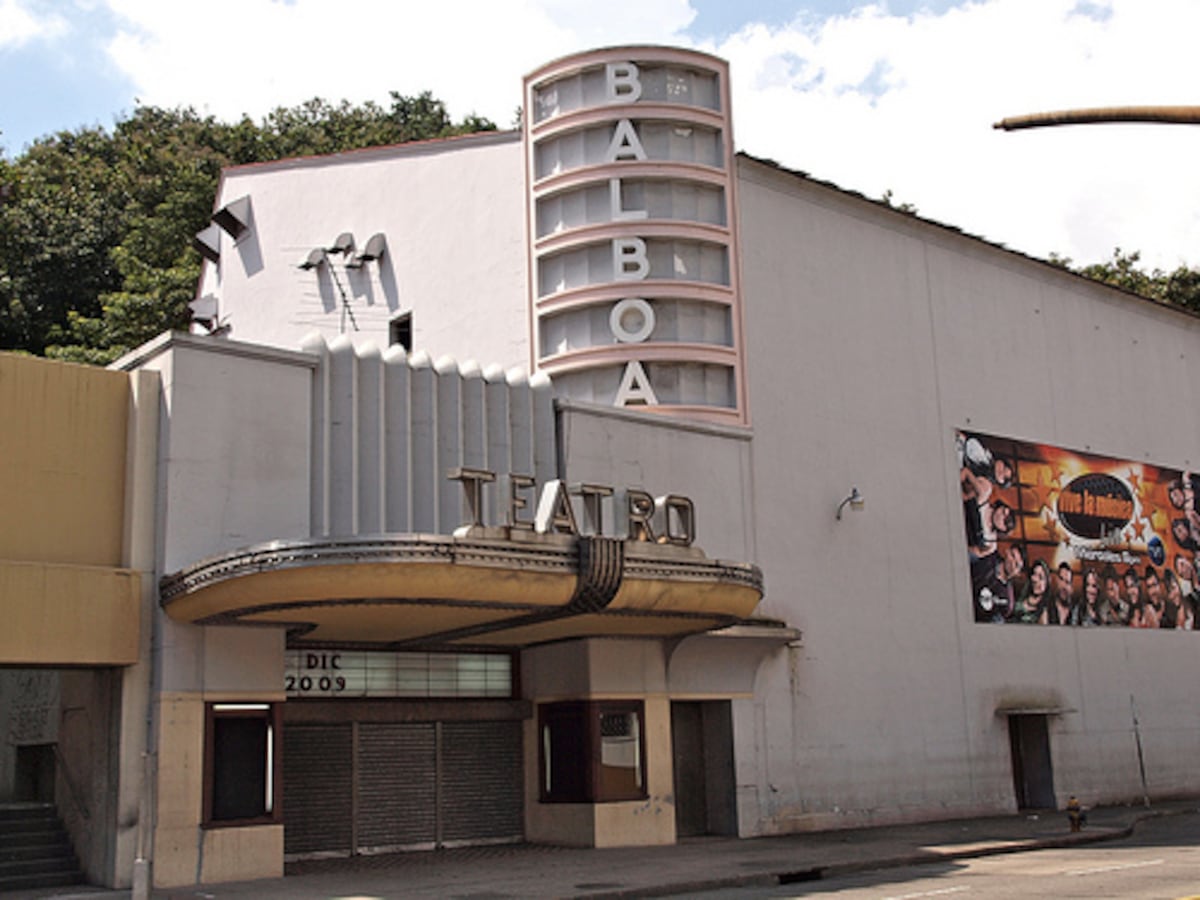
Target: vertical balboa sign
point(633, 242)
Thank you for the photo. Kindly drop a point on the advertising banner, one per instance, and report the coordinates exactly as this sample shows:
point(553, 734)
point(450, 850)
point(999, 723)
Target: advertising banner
point(1058, 537)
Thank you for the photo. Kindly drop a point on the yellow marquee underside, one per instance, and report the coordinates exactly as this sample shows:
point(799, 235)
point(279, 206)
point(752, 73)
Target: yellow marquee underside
point(400, 590)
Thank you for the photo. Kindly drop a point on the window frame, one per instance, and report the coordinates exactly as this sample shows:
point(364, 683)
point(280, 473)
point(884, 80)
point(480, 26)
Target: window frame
point(400, 331)
point(586, 783)
point(269, 713)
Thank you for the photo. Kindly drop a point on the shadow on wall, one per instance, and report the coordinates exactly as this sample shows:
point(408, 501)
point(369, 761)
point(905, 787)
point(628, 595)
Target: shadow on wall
point(353, 277)
point(249, 247)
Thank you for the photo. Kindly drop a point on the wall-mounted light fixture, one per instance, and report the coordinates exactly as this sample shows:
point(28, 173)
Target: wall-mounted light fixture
point(373, 251)
point(855, 499)
point(208, 242)
point(315, 257)
point(204, 309)
point(343, 243)
point(234, 217)
point(204, 315)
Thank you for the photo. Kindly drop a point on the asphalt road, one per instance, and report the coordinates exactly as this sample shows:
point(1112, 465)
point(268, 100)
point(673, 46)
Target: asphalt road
point(1160, 862)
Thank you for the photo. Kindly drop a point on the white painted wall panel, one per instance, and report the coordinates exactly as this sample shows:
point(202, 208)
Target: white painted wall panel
point(453, 216)
point(871, 337)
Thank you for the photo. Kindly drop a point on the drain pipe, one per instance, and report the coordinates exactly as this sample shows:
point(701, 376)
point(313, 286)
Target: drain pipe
point(141, 864)
point(141, 541)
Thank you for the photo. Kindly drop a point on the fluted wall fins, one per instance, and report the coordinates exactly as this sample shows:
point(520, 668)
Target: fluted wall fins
point(521, 415)
point(318, 492)
point(389, 427)
point(423, 445)
point(343, 437)
point(397, 456)
point(498, 447)
point(633, 243)
point(370, 442)
point(450, 425)
point(473, 454)
point(545, 461)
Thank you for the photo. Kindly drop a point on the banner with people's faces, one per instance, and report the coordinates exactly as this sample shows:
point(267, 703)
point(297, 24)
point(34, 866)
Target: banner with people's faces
point(1058, 537)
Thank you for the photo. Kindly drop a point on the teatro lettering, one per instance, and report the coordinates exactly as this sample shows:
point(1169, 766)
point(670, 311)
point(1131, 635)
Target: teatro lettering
point(667, 519)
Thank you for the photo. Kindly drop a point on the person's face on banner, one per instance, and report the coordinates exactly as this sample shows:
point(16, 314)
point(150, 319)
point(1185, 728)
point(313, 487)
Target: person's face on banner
point(1065, 576)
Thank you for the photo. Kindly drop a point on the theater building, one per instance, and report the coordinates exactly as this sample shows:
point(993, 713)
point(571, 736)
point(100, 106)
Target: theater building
point(594, 484)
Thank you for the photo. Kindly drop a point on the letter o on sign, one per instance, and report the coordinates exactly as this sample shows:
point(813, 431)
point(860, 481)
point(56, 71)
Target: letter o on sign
point(631, 320)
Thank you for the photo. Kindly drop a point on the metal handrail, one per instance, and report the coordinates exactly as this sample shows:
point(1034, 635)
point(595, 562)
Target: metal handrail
point(76, 799)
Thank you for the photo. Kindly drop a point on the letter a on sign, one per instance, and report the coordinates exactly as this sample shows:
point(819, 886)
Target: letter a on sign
point(635, 387)
point(554, 513)
point(625, 143)
point(622, 82)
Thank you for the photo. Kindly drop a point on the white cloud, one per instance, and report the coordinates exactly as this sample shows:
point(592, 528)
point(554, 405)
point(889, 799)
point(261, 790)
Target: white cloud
point(249, 56)
point(20, 24)
point(869, 100)
point(923, 128)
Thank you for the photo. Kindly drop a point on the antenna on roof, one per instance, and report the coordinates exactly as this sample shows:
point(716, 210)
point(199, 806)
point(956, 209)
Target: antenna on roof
point(346, 310)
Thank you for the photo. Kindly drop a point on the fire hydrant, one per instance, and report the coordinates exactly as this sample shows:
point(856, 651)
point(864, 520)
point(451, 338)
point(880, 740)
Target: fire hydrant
point(1075, 814)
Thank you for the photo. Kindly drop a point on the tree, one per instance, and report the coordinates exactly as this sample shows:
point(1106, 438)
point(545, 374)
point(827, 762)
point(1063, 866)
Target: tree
point(1180, 287)
point(56, 233)
point(96, 228)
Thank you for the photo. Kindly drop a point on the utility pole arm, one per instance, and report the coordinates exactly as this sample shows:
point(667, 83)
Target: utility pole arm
point(1176, 115)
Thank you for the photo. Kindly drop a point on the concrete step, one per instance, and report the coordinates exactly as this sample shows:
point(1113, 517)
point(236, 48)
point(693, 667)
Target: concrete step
point(44, 850)
point(35, 851)
point(30, 831)
point(20, 839)
point(37, 864)
point(42, 880)
point(26, 810)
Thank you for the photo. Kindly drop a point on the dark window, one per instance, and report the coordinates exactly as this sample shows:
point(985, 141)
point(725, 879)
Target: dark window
point(400, 331)
point(241, 764)
point(592, 752)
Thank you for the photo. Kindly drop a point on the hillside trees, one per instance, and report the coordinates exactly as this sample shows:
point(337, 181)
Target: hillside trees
point(96, 228)
point(1179, 287)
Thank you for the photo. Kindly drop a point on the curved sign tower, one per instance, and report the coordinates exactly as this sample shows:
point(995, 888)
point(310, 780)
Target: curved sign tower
point(633, 241)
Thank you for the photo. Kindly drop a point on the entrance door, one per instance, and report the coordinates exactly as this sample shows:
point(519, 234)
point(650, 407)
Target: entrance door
point(702, 750)
point(373, 787)
point(34, 780)
point(1033, 775)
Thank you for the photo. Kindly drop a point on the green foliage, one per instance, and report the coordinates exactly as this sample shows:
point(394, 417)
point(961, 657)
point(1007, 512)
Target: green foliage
point(889, 199)
point(1180, 287)
point(96, 228)
point(56, 232)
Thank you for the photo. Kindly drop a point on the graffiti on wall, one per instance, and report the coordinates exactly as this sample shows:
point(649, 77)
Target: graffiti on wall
point(31, 697)
point(1057, 537)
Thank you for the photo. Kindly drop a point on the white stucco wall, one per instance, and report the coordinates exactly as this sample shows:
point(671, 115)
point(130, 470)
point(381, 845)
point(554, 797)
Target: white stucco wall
point(453, 216)
point(871, 337)
point(710, 464)
point(234, 445)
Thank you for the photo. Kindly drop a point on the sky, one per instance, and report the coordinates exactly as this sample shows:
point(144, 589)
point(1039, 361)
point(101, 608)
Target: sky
point(891, 96)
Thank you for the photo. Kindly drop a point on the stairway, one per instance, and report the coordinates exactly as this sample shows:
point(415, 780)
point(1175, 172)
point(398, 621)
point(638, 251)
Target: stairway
point(35, 851)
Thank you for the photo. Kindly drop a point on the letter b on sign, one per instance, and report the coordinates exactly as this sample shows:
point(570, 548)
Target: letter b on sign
point(622, 83)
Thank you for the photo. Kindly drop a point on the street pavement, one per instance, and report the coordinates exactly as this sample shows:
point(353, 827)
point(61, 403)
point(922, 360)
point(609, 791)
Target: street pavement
point(536, 871)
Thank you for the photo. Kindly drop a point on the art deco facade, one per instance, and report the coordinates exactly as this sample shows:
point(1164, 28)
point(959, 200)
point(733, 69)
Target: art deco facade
point(498, 495)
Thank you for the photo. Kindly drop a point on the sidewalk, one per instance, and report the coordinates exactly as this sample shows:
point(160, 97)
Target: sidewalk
point(524, 871)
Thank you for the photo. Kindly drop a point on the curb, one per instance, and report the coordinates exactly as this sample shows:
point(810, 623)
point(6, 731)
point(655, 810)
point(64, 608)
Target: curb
point(835, 870)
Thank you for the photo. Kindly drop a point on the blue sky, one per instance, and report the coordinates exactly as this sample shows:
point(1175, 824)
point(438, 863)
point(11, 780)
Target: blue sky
point(891, 95)
point(67, 79)
point(721, 18)
point(62, 80)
